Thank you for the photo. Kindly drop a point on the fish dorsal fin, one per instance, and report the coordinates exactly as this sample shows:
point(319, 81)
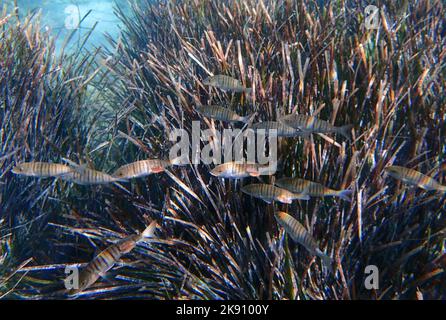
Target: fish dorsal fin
point(77, 167)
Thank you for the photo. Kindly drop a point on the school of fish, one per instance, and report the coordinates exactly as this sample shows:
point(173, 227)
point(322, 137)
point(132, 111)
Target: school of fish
point(285, 190)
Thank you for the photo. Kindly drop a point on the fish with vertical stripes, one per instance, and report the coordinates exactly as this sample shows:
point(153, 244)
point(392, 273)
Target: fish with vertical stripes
point(415, 178)
point(313, 189)
point(105, 260)
point(311, 124)
point(239, 170)
point(41, 169)
point(270, 193)
point(86, 176)
point(221, 114)
point(299, 234)
point(142, 168)
point(226, 83)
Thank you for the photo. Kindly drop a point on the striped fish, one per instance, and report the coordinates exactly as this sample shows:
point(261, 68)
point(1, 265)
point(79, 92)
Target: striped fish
point(415, 178)
point(226, 83)
point(282, 130)
point(41, 169)
point(142, 168)
point(238, 170)
point(221, 113)
point(299, 234)
point(270, 193)
point(312, 124)
point(86, 176)
point(105, 260)
point(313, 189)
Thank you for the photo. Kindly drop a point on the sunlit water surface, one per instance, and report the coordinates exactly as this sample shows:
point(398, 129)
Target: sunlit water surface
point(62, 17)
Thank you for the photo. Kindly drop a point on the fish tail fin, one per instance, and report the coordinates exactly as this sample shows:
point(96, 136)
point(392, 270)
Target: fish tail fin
point(248, 90)
point(150, 230)
point(345, 195)
point(345, 131)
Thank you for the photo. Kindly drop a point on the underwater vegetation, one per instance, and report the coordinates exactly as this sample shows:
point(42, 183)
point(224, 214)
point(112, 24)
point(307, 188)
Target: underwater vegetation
point(379, 96)
point(41, 118)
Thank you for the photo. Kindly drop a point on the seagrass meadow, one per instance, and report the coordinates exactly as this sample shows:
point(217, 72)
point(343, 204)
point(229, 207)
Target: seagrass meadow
point(115, 105)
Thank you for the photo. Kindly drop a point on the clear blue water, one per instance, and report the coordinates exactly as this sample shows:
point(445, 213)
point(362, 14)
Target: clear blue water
point(62, 17)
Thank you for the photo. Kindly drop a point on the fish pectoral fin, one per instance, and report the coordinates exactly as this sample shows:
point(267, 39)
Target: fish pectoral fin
point(80, 168)
point(253, 172)
point(63, 175)
point(158, 169)
point(66, 173)
point(106, 277)
point(284, 199)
